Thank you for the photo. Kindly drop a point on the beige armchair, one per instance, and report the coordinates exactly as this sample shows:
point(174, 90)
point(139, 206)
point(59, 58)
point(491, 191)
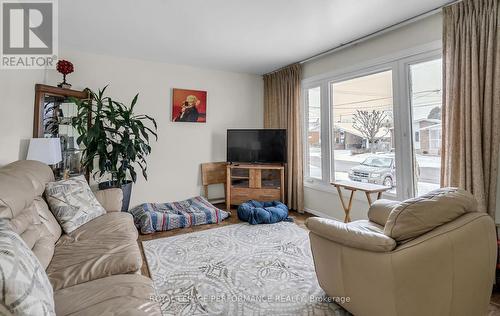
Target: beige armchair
point(431, 255)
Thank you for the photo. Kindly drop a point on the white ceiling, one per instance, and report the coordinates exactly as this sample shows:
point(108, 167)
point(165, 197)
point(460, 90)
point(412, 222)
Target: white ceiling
point(253, 36)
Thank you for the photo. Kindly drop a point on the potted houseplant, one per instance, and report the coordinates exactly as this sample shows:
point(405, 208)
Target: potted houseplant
point(115, 142)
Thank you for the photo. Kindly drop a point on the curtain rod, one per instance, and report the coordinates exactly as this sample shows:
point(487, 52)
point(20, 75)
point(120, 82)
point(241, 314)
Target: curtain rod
point(371, 35)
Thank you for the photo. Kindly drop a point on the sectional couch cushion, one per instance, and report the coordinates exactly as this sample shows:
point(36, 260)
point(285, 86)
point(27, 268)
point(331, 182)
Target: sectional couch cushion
point(115, 225)
point(111, 199)
point(417, 216)
point(92, 269)
point(131, 294)
point(100, 248)
point(72, 202)
point(26, 289)
point(22, 184)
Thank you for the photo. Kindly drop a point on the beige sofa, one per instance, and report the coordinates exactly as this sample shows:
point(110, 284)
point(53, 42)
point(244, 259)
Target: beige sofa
point(433, 255)
point(95, 270)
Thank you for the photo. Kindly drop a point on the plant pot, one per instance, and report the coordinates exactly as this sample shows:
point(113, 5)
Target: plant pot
point(126, 189)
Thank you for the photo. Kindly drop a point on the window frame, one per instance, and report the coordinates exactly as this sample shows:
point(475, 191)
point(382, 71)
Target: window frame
point(305, 95)
point(324, 136)
point(405, 72)
point(399, 64)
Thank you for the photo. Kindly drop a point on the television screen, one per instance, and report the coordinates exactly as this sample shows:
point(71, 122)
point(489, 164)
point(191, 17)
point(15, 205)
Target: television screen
point(256, 145)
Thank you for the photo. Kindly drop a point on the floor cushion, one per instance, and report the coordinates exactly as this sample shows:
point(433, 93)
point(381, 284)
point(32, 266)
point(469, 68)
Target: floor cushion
point(130, 294)
point(256, 212)
point(151, 217)
point(102, 247)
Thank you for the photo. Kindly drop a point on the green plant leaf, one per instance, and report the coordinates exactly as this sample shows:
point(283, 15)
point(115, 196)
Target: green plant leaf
point(116, 139)
point(134, 101)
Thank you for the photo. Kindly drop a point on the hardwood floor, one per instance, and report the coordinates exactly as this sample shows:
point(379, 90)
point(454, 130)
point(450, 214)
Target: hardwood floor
point(233, 219)
point(494, 309)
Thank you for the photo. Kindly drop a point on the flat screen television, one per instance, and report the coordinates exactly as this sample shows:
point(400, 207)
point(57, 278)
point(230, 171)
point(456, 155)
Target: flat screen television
point(256, 146)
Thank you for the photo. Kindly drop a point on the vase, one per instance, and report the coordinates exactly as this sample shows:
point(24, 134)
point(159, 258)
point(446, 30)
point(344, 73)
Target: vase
point(64, 84)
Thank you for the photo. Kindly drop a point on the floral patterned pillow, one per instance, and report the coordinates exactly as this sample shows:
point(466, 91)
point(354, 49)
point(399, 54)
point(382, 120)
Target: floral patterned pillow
point(26, 289)
point(72, 202)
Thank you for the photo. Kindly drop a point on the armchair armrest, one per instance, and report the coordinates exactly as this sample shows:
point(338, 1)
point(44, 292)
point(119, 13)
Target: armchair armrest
point(358, 234)
point(380, 209)
point(110, 199)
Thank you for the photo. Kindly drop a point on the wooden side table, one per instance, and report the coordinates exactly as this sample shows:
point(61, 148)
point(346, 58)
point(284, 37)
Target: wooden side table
point(353, 186)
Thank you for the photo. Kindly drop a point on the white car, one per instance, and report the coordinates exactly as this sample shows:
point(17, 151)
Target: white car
point(377, 169)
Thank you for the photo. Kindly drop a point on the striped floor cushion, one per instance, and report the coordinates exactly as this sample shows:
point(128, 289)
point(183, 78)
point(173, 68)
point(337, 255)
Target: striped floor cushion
point(151, 217)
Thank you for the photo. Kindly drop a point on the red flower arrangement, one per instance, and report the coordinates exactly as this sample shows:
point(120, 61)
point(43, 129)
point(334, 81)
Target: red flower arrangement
point(65, 67)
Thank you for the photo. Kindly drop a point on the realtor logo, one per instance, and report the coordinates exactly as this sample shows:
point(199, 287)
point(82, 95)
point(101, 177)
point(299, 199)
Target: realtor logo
point(29, 34)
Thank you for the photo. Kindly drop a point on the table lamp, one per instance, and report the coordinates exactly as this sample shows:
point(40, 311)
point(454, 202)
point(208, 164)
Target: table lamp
point(46, 150)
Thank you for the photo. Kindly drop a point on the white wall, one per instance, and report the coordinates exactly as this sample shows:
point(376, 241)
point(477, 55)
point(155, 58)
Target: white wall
point(234, 101)
point(415, 34)
point(17, 95)
point(325, 201)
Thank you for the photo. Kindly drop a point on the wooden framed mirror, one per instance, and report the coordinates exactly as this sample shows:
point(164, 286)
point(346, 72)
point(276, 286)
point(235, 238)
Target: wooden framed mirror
point(53, 113)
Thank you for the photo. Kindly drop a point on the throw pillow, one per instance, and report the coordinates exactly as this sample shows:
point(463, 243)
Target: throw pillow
point(72, 203)
point(26, 289)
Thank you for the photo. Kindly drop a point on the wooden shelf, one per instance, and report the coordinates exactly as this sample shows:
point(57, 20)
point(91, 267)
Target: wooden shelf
point(256, 166)
point(260, 184)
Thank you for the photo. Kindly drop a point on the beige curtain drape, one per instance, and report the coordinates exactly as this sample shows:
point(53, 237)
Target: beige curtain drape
point(282, 110)
point(471, 107)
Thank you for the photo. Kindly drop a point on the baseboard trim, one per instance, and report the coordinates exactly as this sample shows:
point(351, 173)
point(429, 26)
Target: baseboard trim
point(319, 213)
point(217, 200)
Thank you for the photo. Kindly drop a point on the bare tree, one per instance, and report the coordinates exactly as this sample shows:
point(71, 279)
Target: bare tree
point(435, 113)
point(369, 124)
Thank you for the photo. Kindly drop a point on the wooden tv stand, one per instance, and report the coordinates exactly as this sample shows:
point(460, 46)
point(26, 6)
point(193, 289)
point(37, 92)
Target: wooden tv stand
point(261, 182)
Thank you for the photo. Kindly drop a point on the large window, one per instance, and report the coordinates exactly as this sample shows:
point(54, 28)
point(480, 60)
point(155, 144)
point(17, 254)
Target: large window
point(363, 129)
point(313, 143)
point(426, 98)
point(378, 124)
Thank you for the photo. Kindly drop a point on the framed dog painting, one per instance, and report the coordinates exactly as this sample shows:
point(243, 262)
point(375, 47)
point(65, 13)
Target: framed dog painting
point(189, 106)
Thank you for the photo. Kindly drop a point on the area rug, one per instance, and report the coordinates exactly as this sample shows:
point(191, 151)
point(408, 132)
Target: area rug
point(239, 269)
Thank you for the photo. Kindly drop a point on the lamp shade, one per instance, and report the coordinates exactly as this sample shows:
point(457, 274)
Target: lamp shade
point(46, 150)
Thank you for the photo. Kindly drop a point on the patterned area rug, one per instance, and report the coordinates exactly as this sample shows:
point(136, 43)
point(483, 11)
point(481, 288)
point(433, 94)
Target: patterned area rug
point(238, 269)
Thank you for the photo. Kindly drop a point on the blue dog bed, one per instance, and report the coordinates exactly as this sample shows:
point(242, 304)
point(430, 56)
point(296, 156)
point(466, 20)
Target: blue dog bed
point(256, 212)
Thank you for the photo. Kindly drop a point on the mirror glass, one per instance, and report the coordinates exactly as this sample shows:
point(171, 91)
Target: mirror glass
point(57, 116)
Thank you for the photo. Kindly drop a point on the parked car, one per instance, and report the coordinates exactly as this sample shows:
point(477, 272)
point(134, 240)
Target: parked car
point(377, 169)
